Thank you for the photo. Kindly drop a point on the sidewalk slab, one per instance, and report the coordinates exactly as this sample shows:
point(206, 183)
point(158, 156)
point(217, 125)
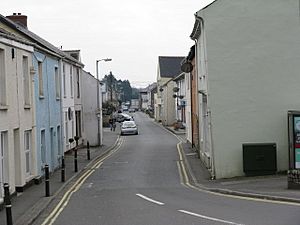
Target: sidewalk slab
point(26, 206)
point(272, 187)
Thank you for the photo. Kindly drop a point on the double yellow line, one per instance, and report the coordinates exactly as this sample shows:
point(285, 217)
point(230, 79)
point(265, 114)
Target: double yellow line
point(75, 187)
point(185, 181)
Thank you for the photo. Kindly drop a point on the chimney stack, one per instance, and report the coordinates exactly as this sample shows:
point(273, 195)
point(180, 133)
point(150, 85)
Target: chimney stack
point(19, 19)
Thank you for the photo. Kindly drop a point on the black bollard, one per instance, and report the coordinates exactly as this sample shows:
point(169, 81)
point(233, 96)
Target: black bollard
point(76, 138)
point(47, 181)
point(88, 151)
point(75, 160)
point(7, 204)
point(63, 172)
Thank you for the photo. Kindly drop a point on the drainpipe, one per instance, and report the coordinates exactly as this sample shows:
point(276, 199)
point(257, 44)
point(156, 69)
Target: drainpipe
point(213, 175)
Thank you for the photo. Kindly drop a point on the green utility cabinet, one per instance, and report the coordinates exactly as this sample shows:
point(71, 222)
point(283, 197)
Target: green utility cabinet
point(259, 159)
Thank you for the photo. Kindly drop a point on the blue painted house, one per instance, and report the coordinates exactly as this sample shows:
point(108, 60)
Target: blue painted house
point(48, 109)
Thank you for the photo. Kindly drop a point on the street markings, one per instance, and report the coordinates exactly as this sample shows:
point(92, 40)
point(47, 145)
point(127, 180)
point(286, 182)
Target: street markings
point(150, 199)
point(75, 187)
point(187, 184)
point(208, 218)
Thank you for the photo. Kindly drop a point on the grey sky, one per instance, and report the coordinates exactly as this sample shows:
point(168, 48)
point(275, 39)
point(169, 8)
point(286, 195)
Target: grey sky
point(133, 32)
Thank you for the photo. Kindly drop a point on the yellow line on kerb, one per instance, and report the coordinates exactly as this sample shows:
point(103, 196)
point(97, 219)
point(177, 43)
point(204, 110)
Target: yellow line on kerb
point(75, 187)
point(186, 183)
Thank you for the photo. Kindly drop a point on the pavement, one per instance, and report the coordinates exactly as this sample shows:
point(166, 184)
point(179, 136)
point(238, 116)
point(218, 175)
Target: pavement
point(28, 205)
point(270, 187)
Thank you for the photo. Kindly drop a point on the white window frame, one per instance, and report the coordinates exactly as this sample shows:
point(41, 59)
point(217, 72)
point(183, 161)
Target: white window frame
point(41, 82)
point(3, 160)
point(26, 80)
point(64, 80)
point(78, 82)
point(71, 80)
point(66, 128)
point(57, 83)
point(27, 152)
point(3, 101)
point(43, 148)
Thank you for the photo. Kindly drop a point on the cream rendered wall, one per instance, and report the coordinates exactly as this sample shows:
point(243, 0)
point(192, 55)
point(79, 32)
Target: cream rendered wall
point(16, 116)
point(68, 101)
point(168, 106)
point(253, 76)
point(89, 101)
point(160, 101)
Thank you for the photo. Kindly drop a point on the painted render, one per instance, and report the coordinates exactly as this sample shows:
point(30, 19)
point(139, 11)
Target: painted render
point(168, 104)
point(68, 104)
point(77, 66)
point(89, 104)
point(48, 112)
point(248, 70)
point(16, 117)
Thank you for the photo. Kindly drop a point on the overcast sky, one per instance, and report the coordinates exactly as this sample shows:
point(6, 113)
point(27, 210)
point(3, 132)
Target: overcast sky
point(133, 32)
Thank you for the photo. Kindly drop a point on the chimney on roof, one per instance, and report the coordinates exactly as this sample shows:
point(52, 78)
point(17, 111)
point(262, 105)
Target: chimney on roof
point(19, 19)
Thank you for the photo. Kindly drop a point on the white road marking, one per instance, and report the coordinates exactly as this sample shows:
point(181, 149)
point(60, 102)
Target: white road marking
point(150, 199)
point(208, 218)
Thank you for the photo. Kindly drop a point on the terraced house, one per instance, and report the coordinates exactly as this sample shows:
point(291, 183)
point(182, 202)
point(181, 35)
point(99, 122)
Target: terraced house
point(37, 136)
point(17, 111)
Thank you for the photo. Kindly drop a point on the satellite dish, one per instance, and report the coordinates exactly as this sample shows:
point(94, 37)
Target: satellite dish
point(186, 67)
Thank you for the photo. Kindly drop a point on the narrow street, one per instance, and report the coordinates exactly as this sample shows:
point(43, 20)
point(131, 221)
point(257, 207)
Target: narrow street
point(141, 184)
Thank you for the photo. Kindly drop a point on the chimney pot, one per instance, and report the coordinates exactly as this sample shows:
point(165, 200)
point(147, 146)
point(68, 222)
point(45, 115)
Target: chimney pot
point(19, 14)
point(14, 14)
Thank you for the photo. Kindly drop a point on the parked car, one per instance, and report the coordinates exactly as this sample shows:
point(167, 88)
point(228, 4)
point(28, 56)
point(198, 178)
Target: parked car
point(123, 117)
point(131, 110)
point(129, 127)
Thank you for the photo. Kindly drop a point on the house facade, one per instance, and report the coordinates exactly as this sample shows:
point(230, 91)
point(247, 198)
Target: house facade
point(143, 99)
point(71, 99)
point(248, 76)
point(151, 90)
point(168, 115)
point(179, 95)
point(89, 105)
point(46, 62)
point(168, 67)
point(17, 110)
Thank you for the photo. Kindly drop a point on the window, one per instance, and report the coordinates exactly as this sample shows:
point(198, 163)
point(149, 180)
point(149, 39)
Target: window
point(3, 158)
point(43, 147)
point(26, 81)
point(78, 84)
point(41, 84)
point(64, 81)
point(78, 123)
point(66, 128)
point(72, 125)
point(57, 83)
point(2, 79)
point(27, 149)
point(58, 141)
point(71, 81)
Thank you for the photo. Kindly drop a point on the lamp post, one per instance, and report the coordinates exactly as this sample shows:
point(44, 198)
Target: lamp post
point(99, 112)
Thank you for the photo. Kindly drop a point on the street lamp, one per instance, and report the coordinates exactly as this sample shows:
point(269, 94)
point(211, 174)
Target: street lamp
point(99, 111)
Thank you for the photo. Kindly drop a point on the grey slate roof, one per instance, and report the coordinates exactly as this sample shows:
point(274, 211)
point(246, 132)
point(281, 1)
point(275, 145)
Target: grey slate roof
point(36, 39)
point(170, 65)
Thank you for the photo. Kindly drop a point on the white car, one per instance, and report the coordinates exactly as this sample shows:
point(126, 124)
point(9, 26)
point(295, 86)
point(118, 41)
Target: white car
point(129, 127)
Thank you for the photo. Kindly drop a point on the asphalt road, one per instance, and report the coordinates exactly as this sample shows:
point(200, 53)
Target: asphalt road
point(141, 184)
